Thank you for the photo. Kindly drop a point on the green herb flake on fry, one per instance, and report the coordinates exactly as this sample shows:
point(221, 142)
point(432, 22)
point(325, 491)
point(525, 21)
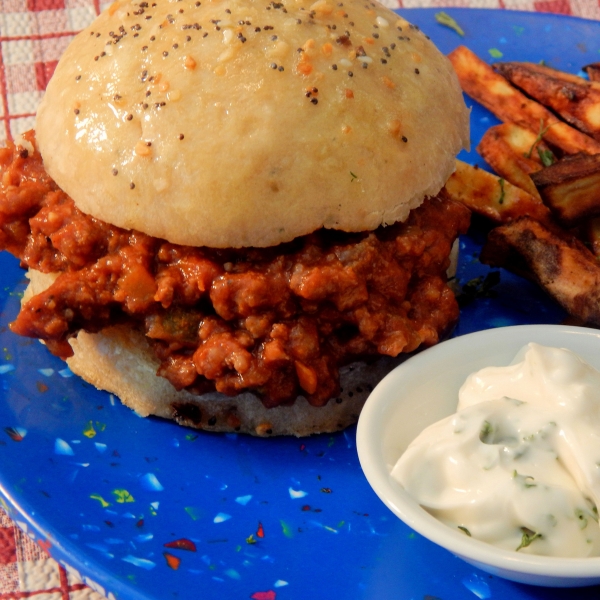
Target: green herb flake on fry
point(502, 191)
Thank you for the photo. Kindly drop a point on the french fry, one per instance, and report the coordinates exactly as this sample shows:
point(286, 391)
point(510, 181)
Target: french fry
point(561, 264)
point(571, 187)
point(492, 196)
point(513, 166)
point(557, 74)
point(482, 83)
point(523, 142)
point(576, 100)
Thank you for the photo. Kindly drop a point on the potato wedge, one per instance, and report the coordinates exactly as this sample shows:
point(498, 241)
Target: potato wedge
point(522, 141)
point(482, 83)
point(556, 73)
point(571, 188)
point(492, 196)
point(513, 166)
point(576, 100)
point(560, 263)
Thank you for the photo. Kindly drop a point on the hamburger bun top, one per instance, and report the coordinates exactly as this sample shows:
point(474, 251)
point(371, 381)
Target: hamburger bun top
point(235, 123)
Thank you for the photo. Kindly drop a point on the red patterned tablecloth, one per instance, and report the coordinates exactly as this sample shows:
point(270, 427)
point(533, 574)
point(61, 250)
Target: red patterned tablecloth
point(33, 35)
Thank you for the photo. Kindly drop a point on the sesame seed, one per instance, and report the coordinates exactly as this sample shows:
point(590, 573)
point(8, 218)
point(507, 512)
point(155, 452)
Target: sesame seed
point(314, 100)
point(129, 117)
point(334, 67)
point(165, 54)
point(383, 61)
point(404, 139)
point(117, 97)
point(144, 106)
point(273, 65)
point(144, 48)
point(175, 46)
point(76, 111)
point(115, 172)
point(280, 68)
point(78, 78)
point(417, 71)
point(257, 29)
point(204, 35)
point(131, 185)
point(188, 38)
point(376, 36)
point(350, 74)
point(181, 136)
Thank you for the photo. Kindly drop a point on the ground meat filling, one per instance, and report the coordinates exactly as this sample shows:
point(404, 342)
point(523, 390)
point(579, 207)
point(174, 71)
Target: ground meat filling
point(279, 322)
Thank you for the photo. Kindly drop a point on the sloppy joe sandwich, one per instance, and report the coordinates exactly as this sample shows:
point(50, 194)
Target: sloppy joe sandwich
point(233, 212)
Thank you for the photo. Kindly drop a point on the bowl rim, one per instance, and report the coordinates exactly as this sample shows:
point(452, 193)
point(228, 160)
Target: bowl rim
point(369, 449)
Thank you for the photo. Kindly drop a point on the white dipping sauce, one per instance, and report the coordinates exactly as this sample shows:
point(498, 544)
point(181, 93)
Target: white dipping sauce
point(518, 465)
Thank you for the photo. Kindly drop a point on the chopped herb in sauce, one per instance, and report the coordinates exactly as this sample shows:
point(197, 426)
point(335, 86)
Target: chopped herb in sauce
point(527, 538)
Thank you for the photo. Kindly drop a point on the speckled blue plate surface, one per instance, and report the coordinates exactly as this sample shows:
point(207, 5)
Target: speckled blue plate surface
point(147, 509)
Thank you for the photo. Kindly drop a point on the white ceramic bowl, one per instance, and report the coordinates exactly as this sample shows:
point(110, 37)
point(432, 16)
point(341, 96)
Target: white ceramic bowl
point(423, 390)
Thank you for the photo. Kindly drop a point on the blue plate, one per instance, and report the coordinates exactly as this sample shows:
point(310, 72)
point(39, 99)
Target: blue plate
point(144, 509)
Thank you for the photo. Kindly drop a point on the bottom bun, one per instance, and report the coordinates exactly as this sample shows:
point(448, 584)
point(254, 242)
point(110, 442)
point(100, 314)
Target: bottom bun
point(119, 360)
